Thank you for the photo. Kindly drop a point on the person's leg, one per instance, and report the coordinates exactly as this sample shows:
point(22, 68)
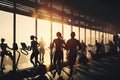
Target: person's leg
point(31, 58)
point(54, 64)
point(62, 58)
point(43, 53)
point(59, 66)
point(71, 72)
point(51, 58)
point(72, 60)
point(60, 62)
point(40, 56)
point(2, 59)
point(36, 58)
point(40, 53)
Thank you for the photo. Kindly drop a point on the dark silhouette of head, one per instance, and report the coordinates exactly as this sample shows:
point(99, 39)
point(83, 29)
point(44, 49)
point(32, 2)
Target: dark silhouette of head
point(72, 34)
point(58, 34)
point(96, 41)
point(2, 40)
point(82, 40)
point(32, 37)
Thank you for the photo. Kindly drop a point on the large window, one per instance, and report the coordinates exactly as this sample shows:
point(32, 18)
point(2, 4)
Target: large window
point(101, 36)
point(106, 37)
point(67, 31)
point(87, 36)
point(6, 32)
point(6, 27)
point(76, 30)
point(25, 27)
point(93, 37)
point(111, 37)
point(82, 34)
point(97, 36)
point(56, 27)
point(44, 33)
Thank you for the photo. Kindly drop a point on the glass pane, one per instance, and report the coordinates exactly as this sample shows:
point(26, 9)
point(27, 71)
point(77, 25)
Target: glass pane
point(101, 36)
point(97, 36)
point(76, 30)
point(82, 34)
point(67, 31)
point(87, 36)
point(106, 37)
point(6, 32)
point(57, 27)
point(93, 37)
point(111, 37)
point(25, 28)
point(6, 27)
point(44, 33)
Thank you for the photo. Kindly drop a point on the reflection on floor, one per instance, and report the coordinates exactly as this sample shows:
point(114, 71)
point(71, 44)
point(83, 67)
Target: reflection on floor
point(107, 68)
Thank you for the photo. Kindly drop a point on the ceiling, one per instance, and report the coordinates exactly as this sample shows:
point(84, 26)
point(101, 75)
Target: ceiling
point(107, 10)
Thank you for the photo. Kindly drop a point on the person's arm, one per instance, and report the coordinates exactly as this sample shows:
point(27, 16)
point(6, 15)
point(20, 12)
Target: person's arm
point(67, 49)
point(9, 47)
point(38, 44)
point(53, 43)
point(64, 44)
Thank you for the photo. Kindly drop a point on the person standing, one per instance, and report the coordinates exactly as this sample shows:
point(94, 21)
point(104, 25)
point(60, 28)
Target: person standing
point(35, 52)
point(73, 45)
point(98, 46)
point(51, 53)
point(4, 51)
point(58, 44)
point(82, 57)
point(42, 50)
point(83, 48)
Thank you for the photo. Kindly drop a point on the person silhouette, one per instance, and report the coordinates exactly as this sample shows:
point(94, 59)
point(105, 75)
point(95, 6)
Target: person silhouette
point(51, 53)
point(98, 46)
point(98, 49)
point(82, 57)
point(59, 45)
point(4, 51)
point(42, 50)
point(115, 40)
point(83, 48)
point(111, 47)
point(35, 52)
point(73, 45)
